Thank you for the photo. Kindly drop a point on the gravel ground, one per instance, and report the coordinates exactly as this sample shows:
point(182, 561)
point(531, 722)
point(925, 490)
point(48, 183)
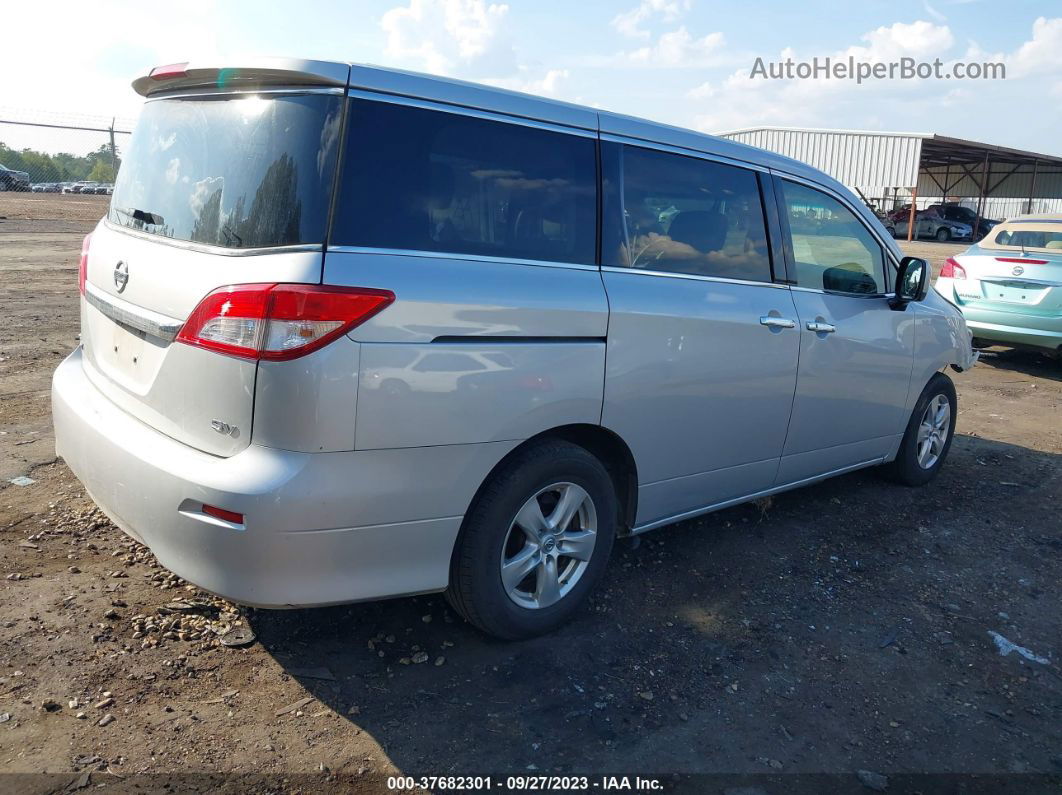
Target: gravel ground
point(840, 628)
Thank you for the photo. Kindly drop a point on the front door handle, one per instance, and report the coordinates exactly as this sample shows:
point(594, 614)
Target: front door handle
point(777, 322)
point(821, 328)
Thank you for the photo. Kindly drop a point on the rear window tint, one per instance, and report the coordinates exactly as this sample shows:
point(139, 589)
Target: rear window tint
point(236, 172)
point(1049, 239)
point(685, 215)
point(428, 180)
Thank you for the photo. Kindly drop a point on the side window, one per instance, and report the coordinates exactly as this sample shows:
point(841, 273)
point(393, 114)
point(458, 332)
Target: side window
point(434, 181)
point(832, 250)
point(684, 215)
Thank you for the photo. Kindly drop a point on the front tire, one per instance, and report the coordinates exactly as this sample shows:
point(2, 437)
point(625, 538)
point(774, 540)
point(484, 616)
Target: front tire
point(943, 234)
point(535, 541)
point(927, 439)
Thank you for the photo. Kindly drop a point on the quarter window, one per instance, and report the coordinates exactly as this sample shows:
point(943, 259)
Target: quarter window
point(685, 215)
point(831, 248)
point(430, 180)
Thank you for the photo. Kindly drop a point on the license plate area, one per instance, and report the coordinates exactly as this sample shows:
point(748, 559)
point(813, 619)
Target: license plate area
point(1013, 292)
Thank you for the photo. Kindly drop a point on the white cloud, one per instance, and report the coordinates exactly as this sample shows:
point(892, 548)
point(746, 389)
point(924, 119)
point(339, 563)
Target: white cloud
point(915, 40)
point(1042, 53)
point(451, 37)
point(89, 59)
point(741, 101)
point(939, 17)
point(464, 38)
point(629, 23)
point(703, 91)
point(678, 48)
point(548, 85)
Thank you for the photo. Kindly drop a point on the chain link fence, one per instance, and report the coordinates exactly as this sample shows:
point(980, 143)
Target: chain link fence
point(56, 166)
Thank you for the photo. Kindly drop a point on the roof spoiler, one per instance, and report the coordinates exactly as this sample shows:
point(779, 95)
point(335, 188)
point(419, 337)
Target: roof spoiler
point(246, 74)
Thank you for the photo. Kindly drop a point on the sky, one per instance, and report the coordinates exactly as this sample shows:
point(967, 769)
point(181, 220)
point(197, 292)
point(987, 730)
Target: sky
point(683, 62)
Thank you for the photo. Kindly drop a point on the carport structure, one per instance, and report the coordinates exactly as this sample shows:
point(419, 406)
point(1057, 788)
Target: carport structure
point(902, 167)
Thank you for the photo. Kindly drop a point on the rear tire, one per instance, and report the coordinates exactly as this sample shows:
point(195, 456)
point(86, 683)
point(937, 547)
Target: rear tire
point(927, 439)
point(509, 575)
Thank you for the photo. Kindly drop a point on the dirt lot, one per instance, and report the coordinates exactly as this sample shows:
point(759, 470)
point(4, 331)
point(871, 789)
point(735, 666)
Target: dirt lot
point(843, 627)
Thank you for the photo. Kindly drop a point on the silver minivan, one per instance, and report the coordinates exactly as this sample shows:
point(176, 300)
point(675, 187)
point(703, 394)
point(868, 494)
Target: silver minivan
point(352, 333)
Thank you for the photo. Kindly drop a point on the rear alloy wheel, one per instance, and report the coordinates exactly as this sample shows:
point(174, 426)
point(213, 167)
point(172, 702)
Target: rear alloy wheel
point(535, 541)
point(549, 545)
point(927, 440)
point(943, 234)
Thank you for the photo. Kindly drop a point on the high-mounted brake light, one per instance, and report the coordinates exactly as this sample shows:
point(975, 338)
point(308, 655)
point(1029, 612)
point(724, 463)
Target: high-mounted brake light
point(952, 269)
point(169, 71)
point(278, 321)
point(82, 264)
point(1022, 260)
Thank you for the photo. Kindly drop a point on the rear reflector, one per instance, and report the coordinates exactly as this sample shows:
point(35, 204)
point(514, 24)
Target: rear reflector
point(1022, 261)
point(278, 321)
point(168, 71)
point(221, 513)
point(952, 269)
point(82, 264)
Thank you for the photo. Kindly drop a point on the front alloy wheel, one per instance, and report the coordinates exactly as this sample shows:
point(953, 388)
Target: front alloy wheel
point(927, 438)
point(933, 431)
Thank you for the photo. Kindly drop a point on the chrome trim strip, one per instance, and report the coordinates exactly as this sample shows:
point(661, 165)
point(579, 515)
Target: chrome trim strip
point(718, 506)
point(206, 91)
point(692, 277)
point(842, 295)
point(152, 323)
point(464, 110)
point(646, 143)
point(402, 252)
point(208, 249)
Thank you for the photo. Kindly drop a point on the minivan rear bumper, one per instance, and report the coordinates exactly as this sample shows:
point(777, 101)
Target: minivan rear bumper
point(296, 546)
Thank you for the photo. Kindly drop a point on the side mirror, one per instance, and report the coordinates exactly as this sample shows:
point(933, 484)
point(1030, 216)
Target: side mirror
point(912, 281)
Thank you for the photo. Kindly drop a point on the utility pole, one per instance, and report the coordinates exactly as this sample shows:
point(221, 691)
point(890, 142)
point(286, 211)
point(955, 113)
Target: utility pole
point(114, 152)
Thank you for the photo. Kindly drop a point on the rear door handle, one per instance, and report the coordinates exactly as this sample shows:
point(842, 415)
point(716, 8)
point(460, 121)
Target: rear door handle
point(777, 322)
point(821, 328)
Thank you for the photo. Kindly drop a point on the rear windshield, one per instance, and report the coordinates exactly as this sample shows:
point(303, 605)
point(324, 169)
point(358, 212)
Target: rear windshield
point(238, 172)
point(1038, 236)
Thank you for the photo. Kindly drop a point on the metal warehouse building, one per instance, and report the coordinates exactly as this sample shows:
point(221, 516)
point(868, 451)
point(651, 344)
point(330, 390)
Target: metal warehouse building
point(889, 168)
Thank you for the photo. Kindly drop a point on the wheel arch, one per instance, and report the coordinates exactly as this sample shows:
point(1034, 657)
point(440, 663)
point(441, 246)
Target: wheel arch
point(607, 446)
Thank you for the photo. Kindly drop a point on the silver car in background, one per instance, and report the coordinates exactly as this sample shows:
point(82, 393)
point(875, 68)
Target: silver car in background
point(1009, 285)
point(351, 333)
point(930, 223)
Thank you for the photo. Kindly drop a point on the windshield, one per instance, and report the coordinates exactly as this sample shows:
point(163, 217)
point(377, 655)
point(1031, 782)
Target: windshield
point(237, 172)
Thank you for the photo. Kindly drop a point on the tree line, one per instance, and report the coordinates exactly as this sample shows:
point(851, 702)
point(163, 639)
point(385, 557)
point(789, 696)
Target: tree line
point(62, 167)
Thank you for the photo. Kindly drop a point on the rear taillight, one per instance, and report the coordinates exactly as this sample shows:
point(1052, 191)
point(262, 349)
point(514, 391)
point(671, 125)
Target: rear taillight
point(278, 321)
point(82, 264)
point(952, 269)
point(168, 71)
